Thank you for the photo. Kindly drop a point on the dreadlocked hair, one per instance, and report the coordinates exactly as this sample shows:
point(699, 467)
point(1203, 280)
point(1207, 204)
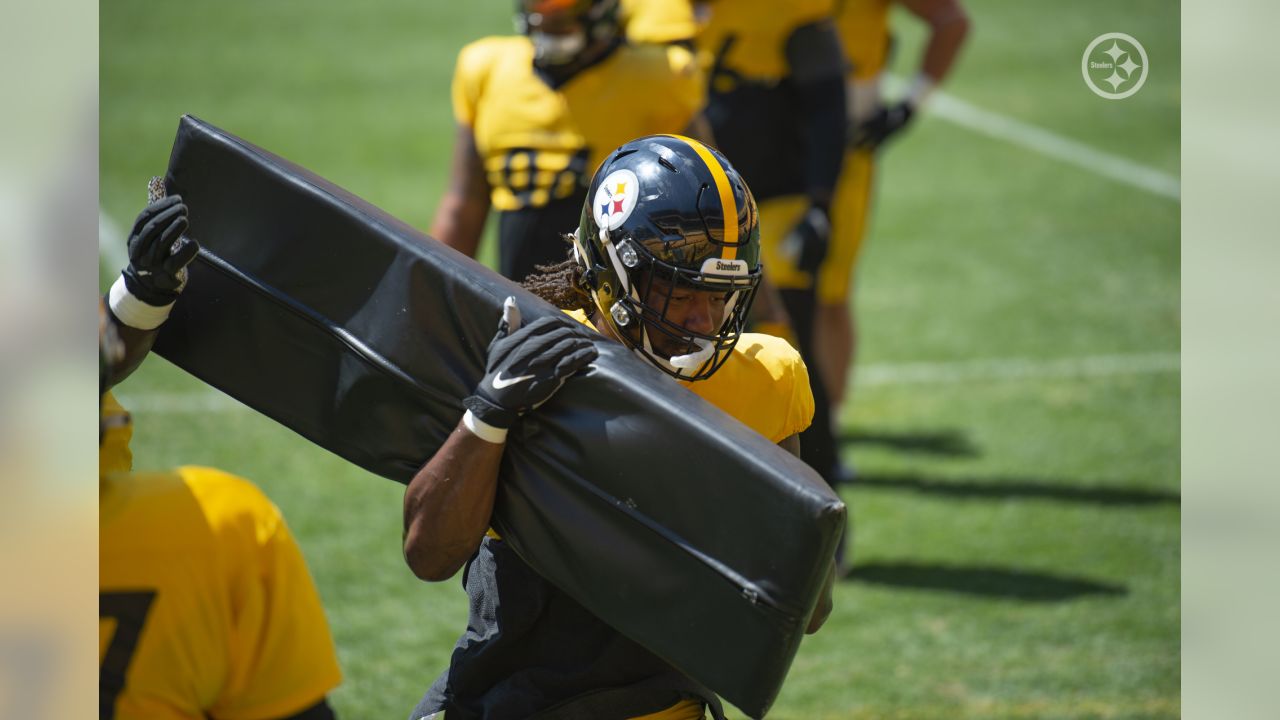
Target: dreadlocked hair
point(560, 284)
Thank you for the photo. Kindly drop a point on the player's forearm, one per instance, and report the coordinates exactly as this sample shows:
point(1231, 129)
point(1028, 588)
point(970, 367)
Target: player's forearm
point(459, 221)
point(449, 503)
point(822, 610)
point(943, 47)
point(948, 27)
point(137, 344)
point(465, 206)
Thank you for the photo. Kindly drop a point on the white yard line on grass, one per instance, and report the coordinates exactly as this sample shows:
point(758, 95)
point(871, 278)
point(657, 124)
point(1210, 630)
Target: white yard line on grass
point(1012, 369)
point(992, 370)
point(111, 246)
point(1024, 135)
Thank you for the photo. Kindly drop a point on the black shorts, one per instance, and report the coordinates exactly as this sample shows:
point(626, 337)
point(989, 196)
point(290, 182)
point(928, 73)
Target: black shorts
point(535, 236)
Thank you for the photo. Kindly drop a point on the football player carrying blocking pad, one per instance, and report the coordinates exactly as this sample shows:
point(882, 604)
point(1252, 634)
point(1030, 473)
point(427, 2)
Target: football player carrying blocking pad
point(665, 261)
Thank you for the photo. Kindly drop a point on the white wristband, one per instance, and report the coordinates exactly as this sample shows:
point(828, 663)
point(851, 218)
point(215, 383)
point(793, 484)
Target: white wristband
point(484, 430)
point(920, 90)
point(133, 312)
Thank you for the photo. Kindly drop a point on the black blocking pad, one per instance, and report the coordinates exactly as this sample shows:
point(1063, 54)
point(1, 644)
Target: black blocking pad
point(668, 519)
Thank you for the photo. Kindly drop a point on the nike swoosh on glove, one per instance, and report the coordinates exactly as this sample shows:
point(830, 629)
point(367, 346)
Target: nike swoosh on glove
point(525, 367)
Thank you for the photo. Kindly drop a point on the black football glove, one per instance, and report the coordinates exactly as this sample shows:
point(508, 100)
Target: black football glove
point(806, 244)
point(159, 252)
point(888, 120)
point(526, 366)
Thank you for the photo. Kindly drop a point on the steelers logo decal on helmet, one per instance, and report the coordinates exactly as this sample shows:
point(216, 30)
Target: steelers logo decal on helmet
point(616, 199)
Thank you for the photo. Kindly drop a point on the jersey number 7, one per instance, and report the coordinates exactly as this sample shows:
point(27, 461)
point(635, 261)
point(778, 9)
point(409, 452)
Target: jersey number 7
point(129, 610)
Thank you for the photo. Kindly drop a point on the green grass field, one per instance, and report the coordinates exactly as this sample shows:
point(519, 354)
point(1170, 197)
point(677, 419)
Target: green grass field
point(1016, 423)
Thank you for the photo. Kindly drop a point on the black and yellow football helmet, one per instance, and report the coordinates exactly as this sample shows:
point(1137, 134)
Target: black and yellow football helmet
point(667, 217)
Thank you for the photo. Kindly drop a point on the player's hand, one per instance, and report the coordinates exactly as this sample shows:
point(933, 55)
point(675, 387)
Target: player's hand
point(888, 121)
point(159, 252)
point(806, 244)
point(526, 366)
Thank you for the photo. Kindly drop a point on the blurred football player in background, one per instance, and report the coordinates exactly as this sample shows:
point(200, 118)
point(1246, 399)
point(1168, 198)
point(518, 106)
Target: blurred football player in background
point(537, 112)
point(206, 608)
point(776, 106)
point(670, 271)
point(864, 30)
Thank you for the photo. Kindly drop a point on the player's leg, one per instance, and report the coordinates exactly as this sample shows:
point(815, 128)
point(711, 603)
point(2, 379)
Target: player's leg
point(769, 314)
point(835, 347)
point(798, 291)
point(835, 321)
point(534, 236)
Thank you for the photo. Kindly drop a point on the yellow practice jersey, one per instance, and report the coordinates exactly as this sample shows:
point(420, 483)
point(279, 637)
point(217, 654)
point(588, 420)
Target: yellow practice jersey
point(658, 21)
point(864, 31)
point(749, 37)
point(538, 143)
point(764, 384)
point(206, 608)
point(114, 454)
point(741, 387)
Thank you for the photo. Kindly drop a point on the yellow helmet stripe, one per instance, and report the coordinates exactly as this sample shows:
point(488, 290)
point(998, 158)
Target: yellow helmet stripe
point(726, 195)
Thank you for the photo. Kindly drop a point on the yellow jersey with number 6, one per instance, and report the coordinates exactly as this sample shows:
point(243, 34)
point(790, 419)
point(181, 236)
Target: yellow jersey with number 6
point(540, 143)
